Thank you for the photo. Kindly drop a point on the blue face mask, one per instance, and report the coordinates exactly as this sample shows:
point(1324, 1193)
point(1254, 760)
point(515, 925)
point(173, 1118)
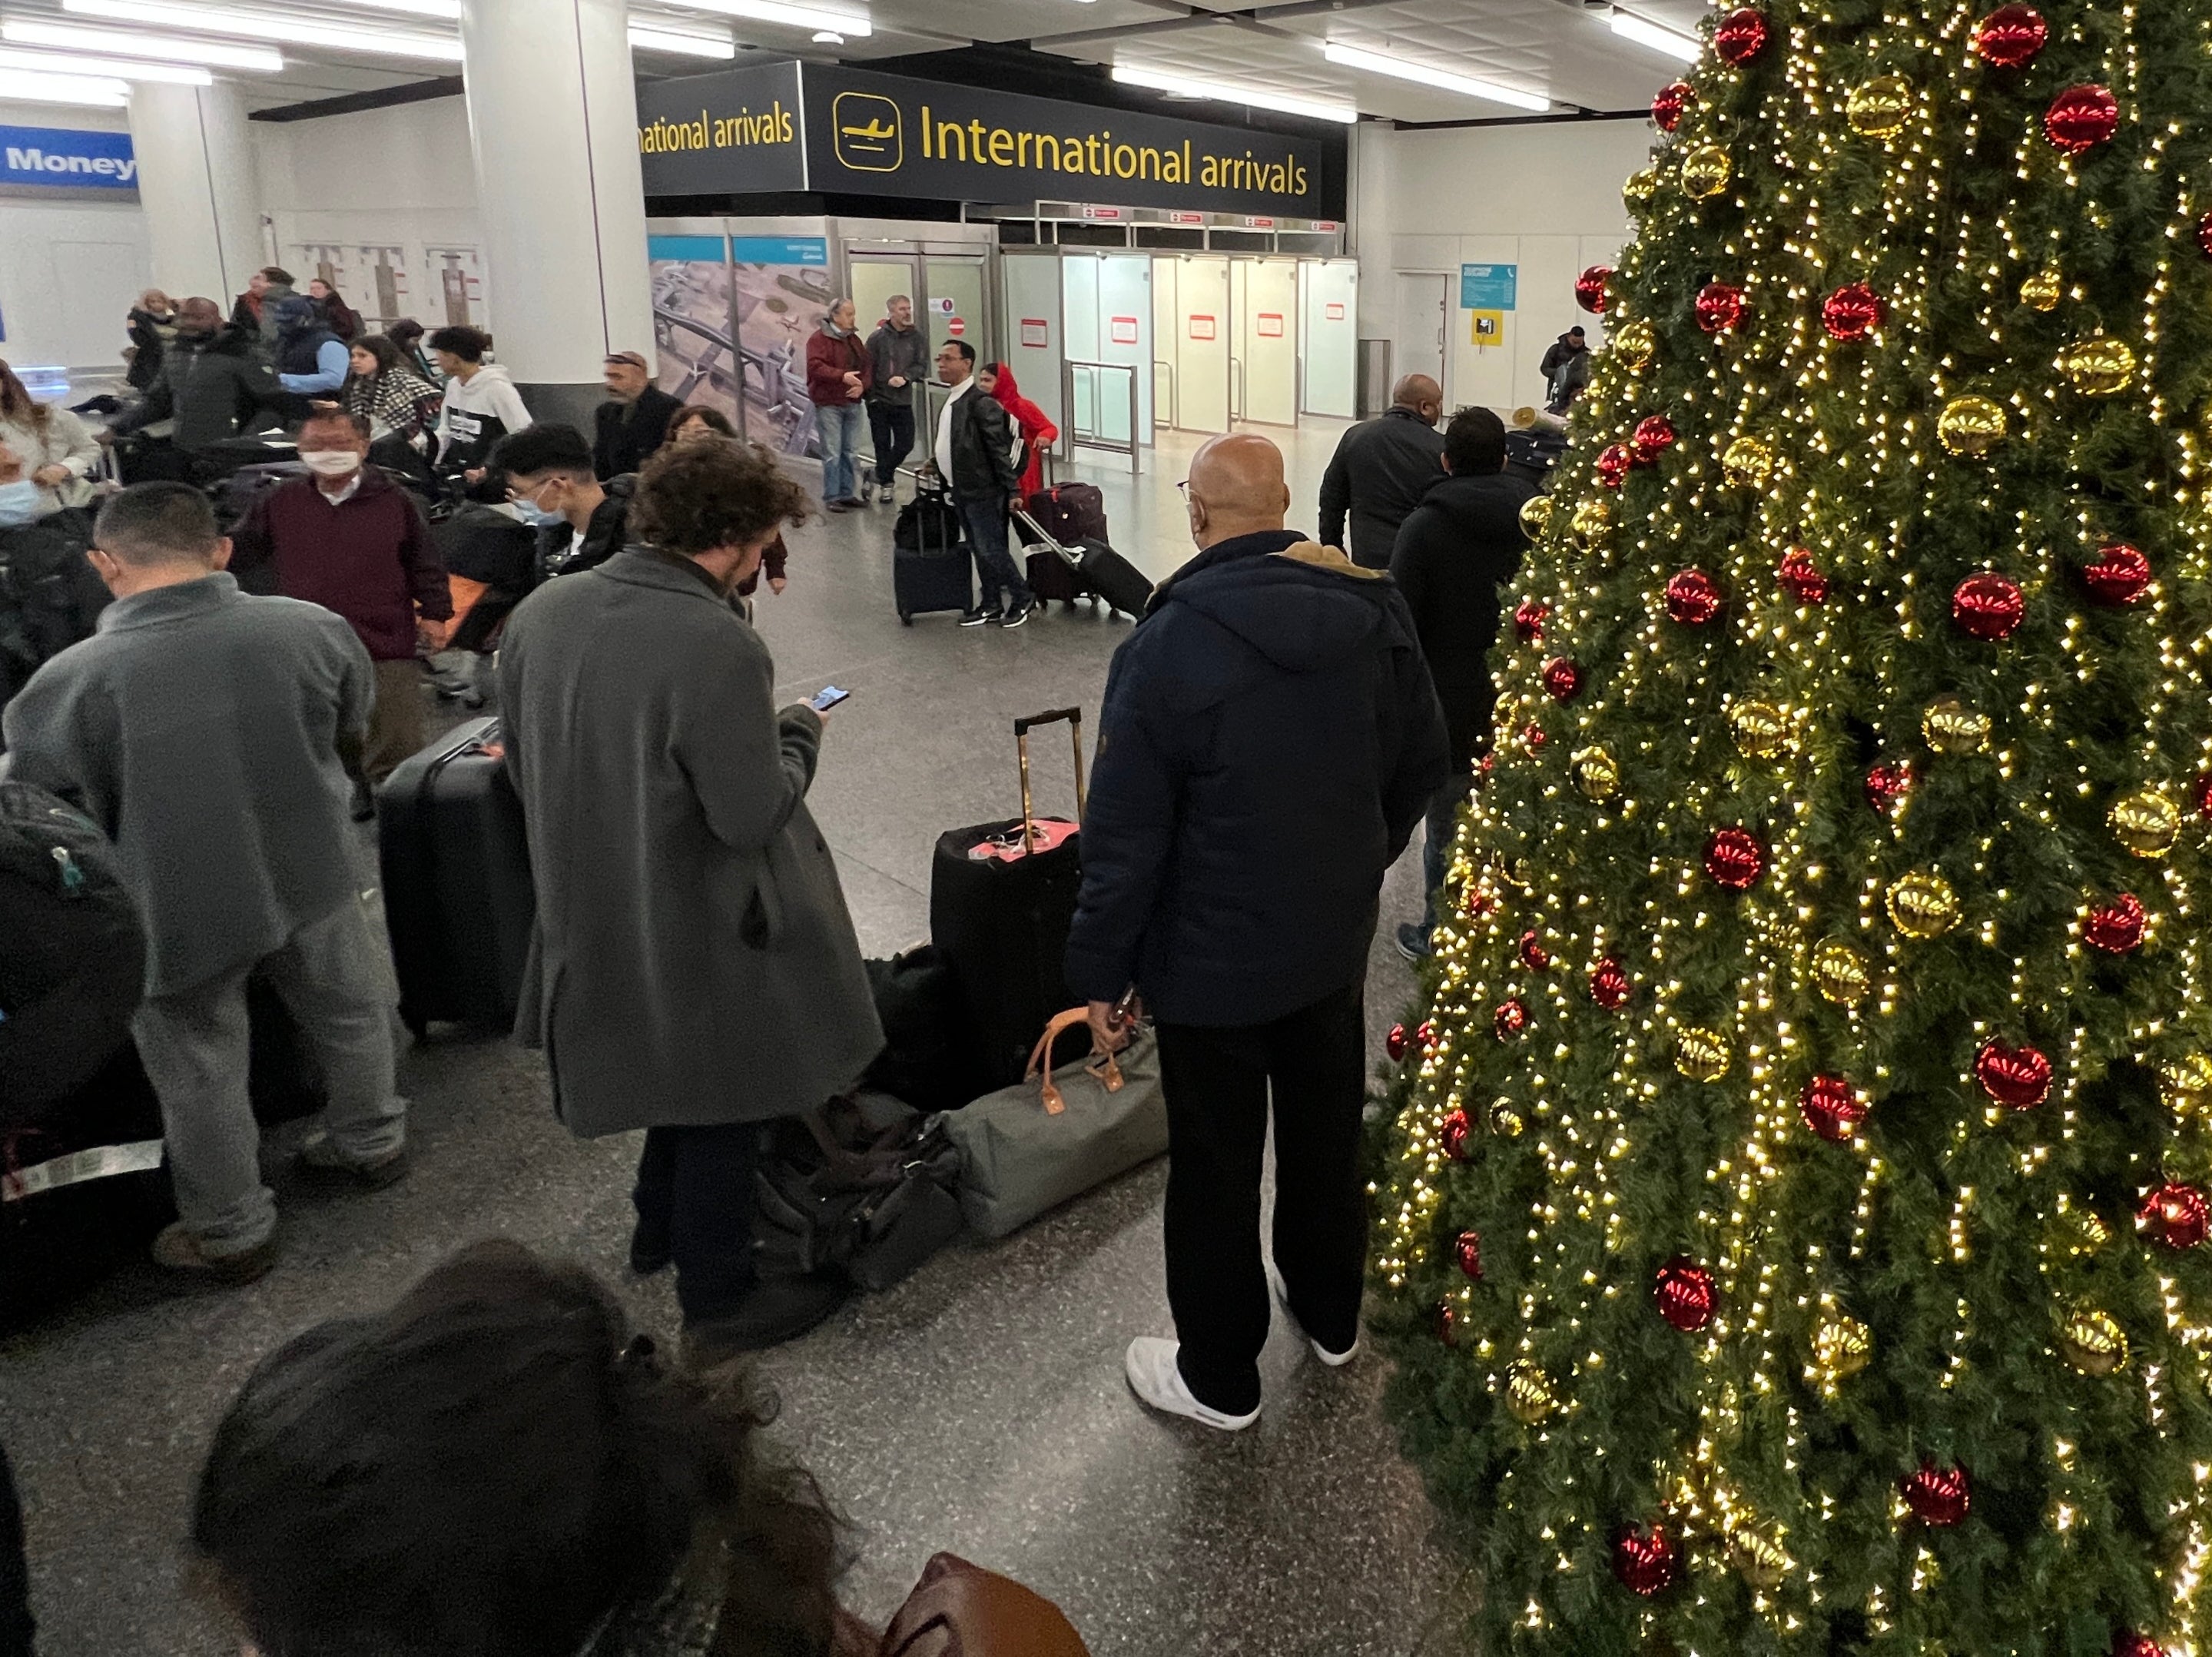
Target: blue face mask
point(19, 503)
point(536, 516)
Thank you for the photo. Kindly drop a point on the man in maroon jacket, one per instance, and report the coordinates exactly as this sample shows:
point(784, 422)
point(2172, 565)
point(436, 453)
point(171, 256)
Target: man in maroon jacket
point(348, 538)
point(838, 370)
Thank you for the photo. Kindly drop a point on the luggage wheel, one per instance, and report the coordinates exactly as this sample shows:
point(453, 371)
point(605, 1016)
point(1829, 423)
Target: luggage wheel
point(905, 619)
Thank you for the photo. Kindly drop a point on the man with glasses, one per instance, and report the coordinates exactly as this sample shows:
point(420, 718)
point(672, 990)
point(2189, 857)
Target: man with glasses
point(579, 521)
point(975, 456)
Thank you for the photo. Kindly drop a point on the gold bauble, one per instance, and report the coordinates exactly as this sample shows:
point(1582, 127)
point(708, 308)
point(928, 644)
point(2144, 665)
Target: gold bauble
point(2079, 1231)
point(1757, 1555)
point(1702, 1055)
point(1748, 462)
point(1760, 730)
point(1504, 1120)
point(1840, 973)
point(2146, 822)
point(1528, 1394)
point(1535, 516)
point(2043, 290)
point(2185, 1087)
point(1642, 185)
point(1971, 425)
point(1635, 344)
point(1842, 1347)
point(1878, 109)
point(2099, 367)
point(1595, 774)
point(1951, 727)
point(1923, 904)
point(2093, 1341)
point(1705, 172)
point(1592, 522)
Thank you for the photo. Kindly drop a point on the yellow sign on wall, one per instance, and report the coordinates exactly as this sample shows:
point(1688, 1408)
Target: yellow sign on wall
point(1488, 327)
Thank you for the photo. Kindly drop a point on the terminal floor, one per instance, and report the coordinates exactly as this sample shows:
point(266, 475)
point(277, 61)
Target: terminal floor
point(978, 1407)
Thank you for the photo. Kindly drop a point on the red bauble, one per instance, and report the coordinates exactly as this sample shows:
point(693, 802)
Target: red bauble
point(2010, 36)
point(2174, 1215)
point(1669, 102)
point(1562, 680)
point(2018, 1076)
point(2117, 929)
point(2136, 1645)
point(1653, 436)
point(1532, 734)
point(2204, 796)
point(1801, 577)
point(1534, 955)
point(1613, 461)
point(1454, 1134)
point(1885, 784)
point(1831, 1108)
point(1734, 859)
point(2082, 118)
point(1645, 1561)
point(1394, 1043)
point(1609, 986)
point(1938, 1496)
point(1510, 1019)
point(1468, 1250)
point(1590, 289)
point(1425, 1036)
point(1988, 605)
point(1851, 314)
point(1528, 620)
point(1447, 1324)
point(1740, 36)
point(1693, 597)
point(1479, 901)
point(1719, 307)
point(2120, 576)
point(2204, 235)
point(1684, 1295)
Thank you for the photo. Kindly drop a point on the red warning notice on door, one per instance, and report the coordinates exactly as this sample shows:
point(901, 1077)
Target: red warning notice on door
point(1271, 325)
point(1201, 327)
point(1036, 332)
point(1331, 311)
point(1122, 330)
point(956, 326)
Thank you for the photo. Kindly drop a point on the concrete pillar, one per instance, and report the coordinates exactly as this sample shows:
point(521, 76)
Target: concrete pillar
point(553, 122)
point(196, 187)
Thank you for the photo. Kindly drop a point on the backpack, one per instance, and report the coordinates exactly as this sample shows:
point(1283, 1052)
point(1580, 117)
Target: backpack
point(49, 599)
point(929, 1042)
point(862, 1185)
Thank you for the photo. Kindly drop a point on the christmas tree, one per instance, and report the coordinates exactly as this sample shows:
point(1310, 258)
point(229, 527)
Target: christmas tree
point(1791, 1210)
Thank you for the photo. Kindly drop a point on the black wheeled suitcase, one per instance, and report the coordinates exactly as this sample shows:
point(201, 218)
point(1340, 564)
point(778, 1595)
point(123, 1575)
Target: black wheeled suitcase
point(931, 570)
point(458, 896)
point(1070, 512)
point(1114, 578)
point(1001, 900)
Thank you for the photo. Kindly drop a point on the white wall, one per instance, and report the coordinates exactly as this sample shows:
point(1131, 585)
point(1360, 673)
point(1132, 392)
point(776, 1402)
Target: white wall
point(70, 269)
point(1545, 197)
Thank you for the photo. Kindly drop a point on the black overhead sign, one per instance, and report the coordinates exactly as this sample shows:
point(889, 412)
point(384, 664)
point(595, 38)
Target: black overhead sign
point(860, 133)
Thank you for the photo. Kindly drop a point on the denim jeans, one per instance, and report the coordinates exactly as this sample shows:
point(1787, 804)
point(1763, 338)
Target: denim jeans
point(1436, 852)
point(840, 429)
point(996, 572)
point(891, 425)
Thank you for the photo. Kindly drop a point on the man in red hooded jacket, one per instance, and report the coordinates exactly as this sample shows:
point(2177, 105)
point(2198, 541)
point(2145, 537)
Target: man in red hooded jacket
point(1037, 433)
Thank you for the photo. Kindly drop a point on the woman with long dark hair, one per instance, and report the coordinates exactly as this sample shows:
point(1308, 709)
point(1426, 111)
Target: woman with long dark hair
point(58, 449)
point(397, 402)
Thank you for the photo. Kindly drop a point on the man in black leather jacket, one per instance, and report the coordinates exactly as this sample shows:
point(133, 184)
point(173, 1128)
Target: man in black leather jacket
point(974, 453)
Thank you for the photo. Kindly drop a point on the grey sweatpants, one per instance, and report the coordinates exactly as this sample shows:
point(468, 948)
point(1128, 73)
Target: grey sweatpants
point(333, 978)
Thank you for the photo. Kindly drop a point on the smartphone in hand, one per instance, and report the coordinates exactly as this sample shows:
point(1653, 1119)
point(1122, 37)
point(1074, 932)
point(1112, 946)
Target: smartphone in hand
point(828, 699)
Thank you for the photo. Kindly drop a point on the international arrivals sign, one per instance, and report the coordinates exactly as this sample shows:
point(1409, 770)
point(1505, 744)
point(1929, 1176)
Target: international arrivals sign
point(860, 133)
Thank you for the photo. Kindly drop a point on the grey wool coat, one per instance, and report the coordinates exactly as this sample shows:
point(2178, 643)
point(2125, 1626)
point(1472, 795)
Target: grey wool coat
point(693, 961)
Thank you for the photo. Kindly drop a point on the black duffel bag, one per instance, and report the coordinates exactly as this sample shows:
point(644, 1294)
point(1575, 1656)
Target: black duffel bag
point(864, 1186)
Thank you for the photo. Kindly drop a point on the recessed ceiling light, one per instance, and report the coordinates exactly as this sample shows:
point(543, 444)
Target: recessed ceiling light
point(119, 69)
point(828, 37)
point(1406, 69)
point(791, 16)
point(1231, 91)
point(1682, 48)
point(644, 38)
point(29, 32)
point(82, 89)
point(268, 26)
point(449, 10)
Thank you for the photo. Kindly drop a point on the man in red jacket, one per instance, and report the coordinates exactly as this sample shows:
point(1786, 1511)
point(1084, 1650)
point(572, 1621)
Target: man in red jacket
point(348, 538)
point(838, 370)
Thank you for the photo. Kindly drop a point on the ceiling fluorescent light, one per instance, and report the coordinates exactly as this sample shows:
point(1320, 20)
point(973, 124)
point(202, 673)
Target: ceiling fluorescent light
point(1229, 92)
point(1682, 48)
point(84, 89)
point(1406, 70)
point(308, 33)
point(775, 11)
point(643, 38)
point(119, 69)
point(446, 10)
point(29, 32)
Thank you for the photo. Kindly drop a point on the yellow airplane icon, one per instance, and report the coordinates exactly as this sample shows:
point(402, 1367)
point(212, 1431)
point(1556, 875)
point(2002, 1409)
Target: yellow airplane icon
point(868, 133)
point(875, 131)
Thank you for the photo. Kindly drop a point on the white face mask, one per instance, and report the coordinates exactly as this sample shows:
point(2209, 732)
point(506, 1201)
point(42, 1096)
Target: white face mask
point(19, 503)
point(330, 462)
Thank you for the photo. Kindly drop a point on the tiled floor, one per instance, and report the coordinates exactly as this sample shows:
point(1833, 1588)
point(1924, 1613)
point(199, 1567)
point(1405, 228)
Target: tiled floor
point(978, 1407)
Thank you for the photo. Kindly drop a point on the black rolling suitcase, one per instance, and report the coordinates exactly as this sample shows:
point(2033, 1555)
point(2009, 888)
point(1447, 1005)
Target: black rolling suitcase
point(1070, 512)
point(458, 896)
point(931, 569)
point(1087, 569)
point(1001, 900)
point(1114, 578)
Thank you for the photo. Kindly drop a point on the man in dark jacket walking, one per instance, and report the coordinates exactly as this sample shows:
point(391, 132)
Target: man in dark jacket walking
point(214, 384)
point(633, 420)
point(1381, 468)
point(1269, 739)
point(350, 539)
point(1566, 370)
point(974, 454)
point(895, 357)
point(1454, 555)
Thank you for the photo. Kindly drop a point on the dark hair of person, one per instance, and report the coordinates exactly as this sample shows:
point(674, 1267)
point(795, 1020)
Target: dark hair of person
point(152, 524)
point(357, 424)
point(277, 273)
point(962, 349)
point(470, 344)
point(1475, 443)
point(17, 406)
point(542, 448)
point(705, 414)
point(403, 332)
point(386, 353)
point(694, 497)
point(1575, 332)
point(493, 1466)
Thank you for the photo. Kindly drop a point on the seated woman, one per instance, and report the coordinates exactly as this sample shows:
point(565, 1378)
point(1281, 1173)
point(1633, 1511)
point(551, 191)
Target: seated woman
point(402, 407)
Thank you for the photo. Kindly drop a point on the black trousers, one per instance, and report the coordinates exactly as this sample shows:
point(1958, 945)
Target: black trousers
point(891, 424)
point(695, 1203)
point(15, 1626)
point(1217, 1083)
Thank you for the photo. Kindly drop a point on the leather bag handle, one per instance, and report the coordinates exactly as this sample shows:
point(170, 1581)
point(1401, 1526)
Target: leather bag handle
point(1105, 1067)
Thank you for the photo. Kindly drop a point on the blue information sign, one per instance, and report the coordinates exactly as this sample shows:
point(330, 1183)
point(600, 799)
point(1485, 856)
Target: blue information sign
point(66, 158)
point(779, 250)
point(1487, 286)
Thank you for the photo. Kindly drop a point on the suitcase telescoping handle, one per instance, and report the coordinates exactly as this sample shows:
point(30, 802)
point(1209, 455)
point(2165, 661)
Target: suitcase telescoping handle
point(1021, 729)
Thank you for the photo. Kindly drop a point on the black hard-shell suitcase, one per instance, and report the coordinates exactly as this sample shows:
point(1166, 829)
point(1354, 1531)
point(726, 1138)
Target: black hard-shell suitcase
point(1114, 578)
point(1002, 922)
point(931, 569)
point(1532, 451)
point(1088, 568)
point(458, 895)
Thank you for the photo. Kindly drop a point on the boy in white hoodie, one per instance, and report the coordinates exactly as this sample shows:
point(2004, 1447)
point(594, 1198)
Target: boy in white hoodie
point(482, 405)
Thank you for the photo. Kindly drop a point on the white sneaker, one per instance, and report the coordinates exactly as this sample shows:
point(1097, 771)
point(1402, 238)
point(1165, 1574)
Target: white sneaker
point(1154, 1378)
point(1281, 1291)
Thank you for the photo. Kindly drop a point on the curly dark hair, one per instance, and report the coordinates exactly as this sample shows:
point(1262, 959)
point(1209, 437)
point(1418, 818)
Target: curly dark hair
point(694, 497)
point(492, 1466)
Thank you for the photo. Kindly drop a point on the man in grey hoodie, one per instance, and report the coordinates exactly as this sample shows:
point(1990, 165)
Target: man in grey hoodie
point(896, 352)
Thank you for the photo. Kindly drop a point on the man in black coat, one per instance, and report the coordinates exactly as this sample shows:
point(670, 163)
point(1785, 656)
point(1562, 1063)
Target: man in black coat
point(214, 383)
point(1269, 739)
point(633, 420)
point(1455, 553)
point(1380, 470)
